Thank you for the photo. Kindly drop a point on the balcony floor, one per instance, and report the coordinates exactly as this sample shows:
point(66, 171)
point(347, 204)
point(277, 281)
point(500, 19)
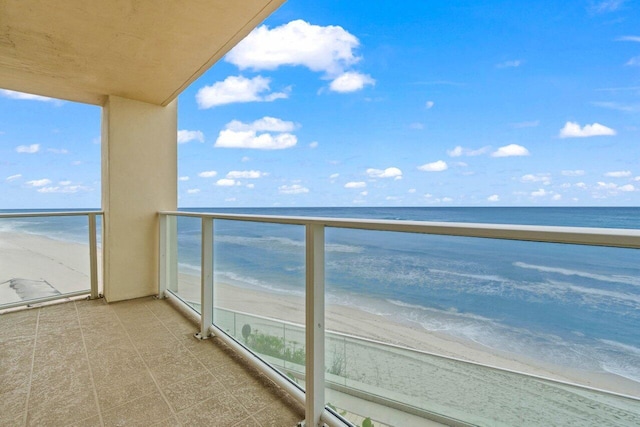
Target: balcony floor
point(88, 363)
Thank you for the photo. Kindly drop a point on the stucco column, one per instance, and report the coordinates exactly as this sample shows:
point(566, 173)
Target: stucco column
point(139, 178)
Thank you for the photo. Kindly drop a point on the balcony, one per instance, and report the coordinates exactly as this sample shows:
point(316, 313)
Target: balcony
point(257, 361)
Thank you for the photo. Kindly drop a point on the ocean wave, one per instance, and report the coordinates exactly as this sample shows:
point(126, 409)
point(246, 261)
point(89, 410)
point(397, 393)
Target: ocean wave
point(253, 283)
point(485, 277)
point(283, 243)
point(627, 280)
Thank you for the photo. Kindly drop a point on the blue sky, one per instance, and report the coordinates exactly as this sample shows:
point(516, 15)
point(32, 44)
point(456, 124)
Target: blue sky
point(335, 103)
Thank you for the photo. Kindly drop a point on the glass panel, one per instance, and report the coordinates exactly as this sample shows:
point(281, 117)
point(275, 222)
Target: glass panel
point(99, 219)
point(566, 312)
point(189, 255)
point(259, 289)
point(43, 257)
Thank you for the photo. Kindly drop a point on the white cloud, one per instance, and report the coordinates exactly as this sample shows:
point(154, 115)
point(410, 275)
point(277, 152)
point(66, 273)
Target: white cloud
point(64, 189)
point(461, 151)
point(391, 172)
point(313, 144)
point(193, 191)
point(539, 193)
point(606, 6)
point(235, 89)
point(578, 172)
point(510, 150)
point(185, 136)
point(183, 178)
point(328, 49)
point(64, 183)
point(446, 199)
point(438, 166)
point(58, 150)
point(334, 175)
point(510, 64)
point(493, 198)
point(581, 185)
point(245, 159)
point(545, 178)
point(29, 149)
point(355, 184)
point(39, 182)
point(225, 182)
point(350, 81)
point(633, 62)
point(246, 174)
point(27, 96)
point(529, 124)
point(629, 39)
point(245, 135)
point(573, 130)
point(250, 185)
point(556, 197)
point(292, 189)
point(618, 174)
point(207, 174)
point(627, 187)
point(13, 177)
point(364, 193)
point(429, 104)
point(416, 126)
point(412, 190)
point(637, 178)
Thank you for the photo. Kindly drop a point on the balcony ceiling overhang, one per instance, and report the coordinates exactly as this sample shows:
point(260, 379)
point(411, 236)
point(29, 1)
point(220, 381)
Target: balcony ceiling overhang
point(145, 50)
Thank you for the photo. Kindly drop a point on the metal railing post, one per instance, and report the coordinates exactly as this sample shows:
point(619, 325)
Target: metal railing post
point(314, 358)
point(206, 288)
point(93, 256)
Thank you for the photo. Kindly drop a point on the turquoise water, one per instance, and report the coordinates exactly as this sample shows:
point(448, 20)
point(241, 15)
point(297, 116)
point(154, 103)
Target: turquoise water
point(570, 305)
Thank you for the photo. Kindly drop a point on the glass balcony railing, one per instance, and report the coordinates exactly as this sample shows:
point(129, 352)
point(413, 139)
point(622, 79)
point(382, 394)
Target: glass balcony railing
point(396, 321)
point(49, 255)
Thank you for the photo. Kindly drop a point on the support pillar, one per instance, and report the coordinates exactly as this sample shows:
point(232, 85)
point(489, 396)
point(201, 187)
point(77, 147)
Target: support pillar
point(139, 178)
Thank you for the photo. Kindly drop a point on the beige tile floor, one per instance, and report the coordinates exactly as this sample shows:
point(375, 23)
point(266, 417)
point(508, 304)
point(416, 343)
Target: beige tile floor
point(134, 363)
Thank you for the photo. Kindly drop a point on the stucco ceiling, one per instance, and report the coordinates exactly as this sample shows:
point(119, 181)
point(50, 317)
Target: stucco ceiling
point(146, 50)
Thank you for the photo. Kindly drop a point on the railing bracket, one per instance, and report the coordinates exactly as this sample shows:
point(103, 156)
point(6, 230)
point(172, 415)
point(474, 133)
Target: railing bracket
point(201, 337)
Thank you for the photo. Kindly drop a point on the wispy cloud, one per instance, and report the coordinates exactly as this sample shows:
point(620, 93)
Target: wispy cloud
point(629, 39)
point(514, 63)
point(606, 6)
point(618, 174)
point(13, 177)
point(573, 130)
point(617, 106)
point(58, 150)
point(461, 151)
point(511, 150)
point(185, 136)
point(251, 174)
point(355, 184)
point(578, 172)
point(39, 182)
point(207, 174)
point(292, 189)
point(238, 89)
point(28, 149)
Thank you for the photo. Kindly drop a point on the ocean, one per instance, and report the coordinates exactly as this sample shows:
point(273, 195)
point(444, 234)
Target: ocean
point(569, 305)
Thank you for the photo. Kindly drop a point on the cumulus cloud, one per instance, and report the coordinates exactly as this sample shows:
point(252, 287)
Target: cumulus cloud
point(429, 104)
point(183, 178)
point(334, 175)
point(438, 166)
point(391, 172)
point(578, 172)
point(327, 49)
point(573, 130)
point(29, 149)
point(461, 151)
point(246, 174)
point(545, 178)
point(618, 174)
point(355, 184)
point(207, 174)
point(511, 150)
point(541, 192)
point(613, 188)
point(185, 136)
point(627, 187)
point(351, 81)
point(493, 198)
point(313, 144)
point(64, 189)
point(193, 191)
point(292, 189)
point(13, 177)
point(27, 96)
point(245, 135)
point(236, 89)
point(39, 182)
point(226, 182)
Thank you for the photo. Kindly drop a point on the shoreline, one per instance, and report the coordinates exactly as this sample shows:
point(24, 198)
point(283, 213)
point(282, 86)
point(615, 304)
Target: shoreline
point(357, 322)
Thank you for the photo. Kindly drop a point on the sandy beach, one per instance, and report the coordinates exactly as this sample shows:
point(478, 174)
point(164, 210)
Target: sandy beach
point(437, 384)
point(33, 266)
